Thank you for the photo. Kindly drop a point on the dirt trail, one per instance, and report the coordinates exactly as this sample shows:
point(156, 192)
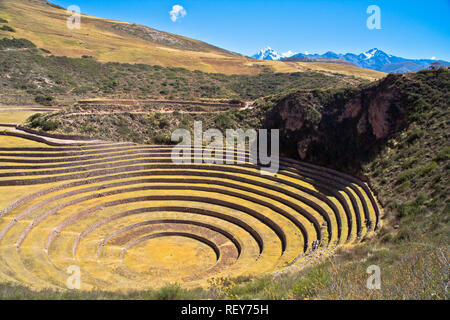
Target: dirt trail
point(12, 128)
point(136, 112)
point(140, 102)
point(20, 108)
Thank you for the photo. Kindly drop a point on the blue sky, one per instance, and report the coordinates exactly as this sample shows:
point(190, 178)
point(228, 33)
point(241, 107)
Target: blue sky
point(411, 29)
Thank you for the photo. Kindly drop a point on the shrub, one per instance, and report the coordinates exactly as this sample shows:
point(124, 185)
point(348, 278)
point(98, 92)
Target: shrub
point(33, 117)
point(162, 139)
point(164, 122)
point(414, 135)
point(404, 186)
point(38, 121)
point(6, 43)
point(49, 125)
point(442, 155)
point(223, 121)
point(7, 28)
point(44, 100)
point(109, 85)
point(410, 162)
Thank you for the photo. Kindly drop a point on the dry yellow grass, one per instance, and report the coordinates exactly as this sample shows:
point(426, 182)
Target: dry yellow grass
point(15, 117)
point(340, 68)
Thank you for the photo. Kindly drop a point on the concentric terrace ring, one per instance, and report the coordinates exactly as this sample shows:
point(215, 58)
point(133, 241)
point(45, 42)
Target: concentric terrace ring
point(130, 218)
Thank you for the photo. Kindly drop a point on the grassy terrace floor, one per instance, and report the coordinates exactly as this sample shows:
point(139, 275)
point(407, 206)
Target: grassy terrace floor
point(133, 220)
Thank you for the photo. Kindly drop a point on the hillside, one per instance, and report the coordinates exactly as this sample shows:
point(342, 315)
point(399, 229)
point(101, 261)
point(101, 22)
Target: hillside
point(395, 134)
point(32, 76)
point(112, 41)
point(346, 127)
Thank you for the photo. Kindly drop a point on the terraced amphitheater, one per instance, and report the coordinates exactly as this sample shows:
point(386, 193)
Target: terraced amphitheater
point(132, 219)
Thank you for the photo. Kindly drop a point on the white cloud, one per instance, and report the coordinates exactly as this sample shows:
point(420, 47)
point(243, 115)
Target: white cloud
point(433, 58)
point(288, 54)
point(177, 12)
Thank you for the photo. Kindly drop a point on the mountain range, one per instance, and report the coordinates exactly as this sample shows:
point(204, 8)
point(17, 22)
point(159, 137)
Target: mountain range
point(374, 59)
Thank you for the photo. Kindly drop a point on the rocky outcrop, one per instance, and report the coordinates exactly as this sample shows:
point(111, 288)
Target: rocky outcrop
point(343, 127)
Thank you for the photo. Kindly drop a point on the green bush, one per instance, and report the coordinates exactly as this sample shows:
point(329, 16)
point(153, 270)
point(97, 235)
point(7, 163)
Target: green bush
point(223, 121)
point(404, 186)
point(7, 28)
point(164, 122)
point(33, 117)
point(442, 155)
point(14, 43)
point(235, 101)
point(44, 100)
point(414, 135)
point(50, 125)
point(411, 162)
point(109, 85)
point(37, 121)
point(162, 139)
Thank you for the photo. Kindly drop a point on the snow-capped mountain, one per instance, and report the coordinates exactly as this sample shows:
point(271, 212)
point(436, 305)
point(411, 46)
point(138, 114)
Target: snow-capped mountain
point(269, 54)
point(374, 59)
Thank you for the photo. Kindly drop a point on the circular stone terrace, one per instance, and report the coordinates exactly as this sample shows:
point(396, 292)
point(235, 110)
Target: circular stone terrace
point(132, 219)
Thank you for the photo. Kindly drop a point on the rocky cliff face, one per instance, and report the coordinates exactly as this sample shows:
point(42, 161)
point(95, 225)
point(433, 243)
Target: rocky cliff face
point(342, 128)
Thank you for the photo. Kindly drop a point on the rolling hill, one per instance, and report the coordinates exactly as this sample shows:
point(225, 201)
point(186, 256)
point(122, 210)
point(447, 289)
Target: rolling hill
point(44, 24)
